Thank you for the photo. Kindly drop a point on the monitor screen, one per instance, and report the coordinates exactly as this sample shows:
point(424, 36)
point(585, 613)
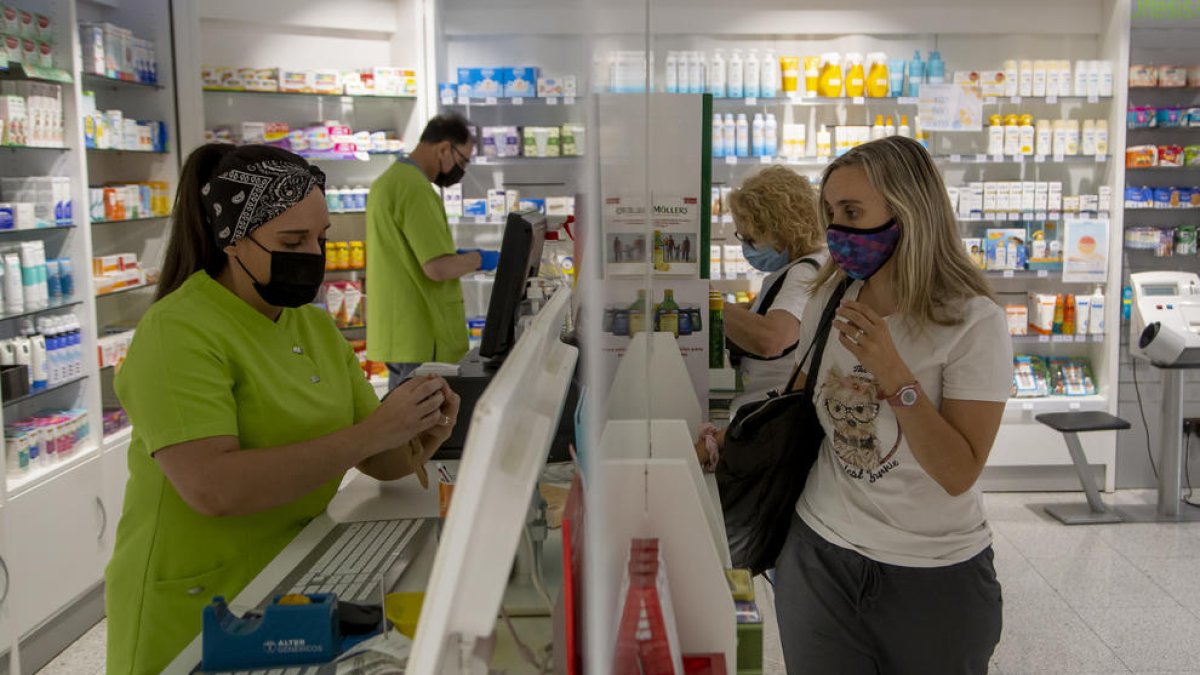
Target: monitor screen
point(520, 258)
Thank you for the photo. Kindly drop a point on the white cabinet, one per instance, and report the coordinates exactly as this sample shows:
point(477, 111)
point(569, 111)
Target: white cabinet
point(114, 472)
point(7, 613)
point(56, 549)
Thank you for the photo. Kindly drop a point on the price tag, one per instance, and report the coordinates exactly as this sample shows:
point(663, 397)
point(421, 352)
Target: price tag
point(1019, 159)
point(751, 100)
point(794, 96)
point(482, 220)
point(1027, 407)
point(795, 160)
point(491, 100)
point(1100, 159)
point(859, 100)
point(517, 100)
point(1027, 215)
point(1052, 99)
point(1093, 98)
point(1009, 274)
point(1041, 215)
point(999, 159)
point(568, 100)
point(1062, 338)
point(1039, 159)
point(764, 160)
point(1074, 405)
point(992, 216)
point(982, 158)
point(453, 220)
point(1042, 274)
point(1058, 158)
point(482, 159)
point(1016, 100)
point(955, 158)
point(731, 160)
point(1014, 216)
point(464, 100)
point(907, 100)
point(553, 100)
point(1043, 338)
point(447, 100)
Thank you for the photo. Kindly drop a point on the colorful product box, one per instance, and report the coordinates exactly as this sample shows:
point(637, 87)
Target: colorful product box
point(482, 82)
point(521, 82)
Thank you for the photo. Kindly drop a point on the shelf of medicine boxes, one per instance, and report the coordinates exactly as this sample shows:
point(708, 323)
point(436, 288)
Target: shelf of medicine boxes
point(130, 220)
point(52, 306)
point(481, 160)
point(124, 151)
point(115, 84)
point(297, 94)
point(42, 392)
point(799, 99)
point(948, 159)
point(1180, 169)
point(35, 476)
point(18, 71)
point(38, 230)
point(508, 102)
point(53, 148)
point(127, 289)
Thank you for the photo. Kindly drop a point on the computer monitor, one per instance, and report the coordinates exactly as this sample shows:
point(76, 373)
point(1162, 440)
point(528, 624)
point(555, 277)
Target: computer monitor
point(520, 258)
point(506, 448)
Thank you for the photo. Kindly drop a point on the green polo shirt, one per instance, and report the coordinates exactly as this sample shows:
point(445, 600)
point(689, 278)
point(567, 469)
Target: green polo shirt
point(203, 363)
point(410, 317)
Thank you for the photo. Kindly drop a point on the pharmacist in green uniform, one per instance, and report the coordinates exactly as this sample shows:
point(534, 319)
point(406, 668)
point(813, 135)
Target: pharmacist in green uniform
point(248, 405)
point(415, 313)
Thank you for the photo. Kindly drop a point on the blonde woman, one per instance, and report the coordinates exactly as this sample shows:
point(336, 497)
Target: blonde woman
point(775, 215)
point(888, 564)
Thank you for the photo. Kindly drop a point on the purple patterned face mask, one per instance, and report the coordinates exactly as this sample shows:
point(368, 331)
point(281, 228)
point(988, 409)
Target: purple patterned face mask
point(860, 253)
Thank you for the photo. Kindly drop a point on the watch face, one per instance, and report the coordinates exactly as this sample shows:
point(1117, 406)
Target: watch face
point(908, 397)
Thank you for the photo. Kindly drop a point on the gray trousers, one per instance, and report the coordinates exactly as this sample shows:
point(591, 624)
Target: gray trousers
point(840, 612)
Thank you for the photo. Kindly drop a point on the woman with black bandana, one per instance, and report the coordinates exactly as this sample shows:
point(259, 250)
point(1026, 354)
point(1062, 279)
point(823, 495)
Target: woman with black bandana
point(248, 405)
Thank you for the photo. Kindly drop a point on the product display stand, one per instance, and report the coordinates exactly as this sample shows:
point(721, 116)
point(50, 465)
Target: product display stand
point(1171, 459)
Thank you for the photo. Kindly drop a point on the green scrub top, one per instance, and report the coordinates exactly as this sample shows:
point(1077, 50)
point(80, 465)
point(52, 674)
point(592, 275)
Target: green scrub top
point(204, 363)
point(410, 317)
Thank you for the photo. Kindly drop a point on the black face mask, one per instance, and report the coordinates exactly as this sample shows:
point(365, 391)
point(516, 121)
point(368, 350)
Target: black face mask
point(295, 277)
point(452, 177)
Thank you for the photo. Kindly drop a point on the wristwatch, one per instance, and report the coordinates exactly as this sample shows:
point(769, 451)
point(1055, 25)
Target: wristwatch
point(905, 397)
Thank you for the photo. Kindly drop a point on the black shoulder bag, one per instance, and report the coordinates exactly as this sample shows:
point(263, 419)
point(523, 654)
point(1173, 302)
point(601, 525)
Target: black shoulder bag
point(736, 353)
point(770, 447)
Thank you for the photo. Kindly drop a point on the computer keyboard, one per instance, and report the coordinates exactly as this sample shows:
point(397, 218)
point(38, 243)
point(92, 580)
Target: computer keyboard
point(354, 559)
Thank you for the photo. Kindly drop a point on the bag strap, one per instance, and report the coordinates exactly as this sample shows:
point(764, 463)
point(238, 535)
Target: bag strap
point(819, 339)
point(773, 291)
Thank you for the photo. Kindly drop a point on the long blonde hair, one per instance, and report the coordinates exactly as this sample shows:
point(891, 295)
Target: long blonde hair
point(934, 276)
point(779, 205)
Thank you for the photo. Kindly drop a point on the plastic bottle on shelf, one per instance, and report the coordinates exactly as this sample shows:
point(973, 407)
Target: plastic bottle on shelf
point(878, 85)
point(1012, 135)
point(856, 76)
point(758, 142)
point(831, 83)
point(1025, 78)
point(771, 133)
point(1060, 137)
point(1052, 77)
point(718, 136)
point(1072, 137)
point(333, 200)
point(1039, 79)
point(734, 81)
point(877, 129)
point(1093, 81)
point(915, 75)
point(743, 136)
point(672, 74)
point(751, 75)
point(889, 129)
point(904, 130)
point(995, 135)
point(937, 69)
point(1088, 144)
point(730, 136)
point(67, 277)
point(696, 73)
point(716, 75)
point(1045, 138)
point(824, 143)
point(1081, 78)
point(1102, 137)
point(1106, 78)
point(1096, 320)
point(1027, 135)
point(769, 79)
point(1011, 77)
point(896, 78)
point(1064, 77)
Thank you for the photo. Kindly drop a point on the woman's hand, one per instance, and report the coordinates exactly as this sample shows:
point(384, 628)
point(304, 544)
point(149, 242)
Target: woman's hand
point(408, 411)
point(708, 447)
point(433, 438)
point(865, 334)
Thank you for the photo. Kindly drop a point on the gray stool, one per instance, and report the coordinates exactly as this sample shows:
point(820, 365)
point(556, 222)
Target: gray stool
point(1070, 425)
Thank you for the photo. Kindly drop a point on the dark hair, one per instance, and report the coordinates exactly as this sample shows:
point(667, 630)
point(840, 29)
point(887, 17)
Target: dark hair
point(193, 245)
point(447, 127)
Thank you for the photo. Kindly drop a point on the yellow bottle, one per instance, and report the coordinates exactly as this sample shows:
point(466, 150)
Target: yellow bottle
point(812, 75)
point(830, 84)
point(856, 77)
point(790, 67)
point(877, 76)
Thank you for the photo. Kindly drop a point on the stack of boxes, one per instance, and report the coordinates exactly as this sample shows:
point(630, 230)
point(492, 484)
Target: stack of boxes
point(499, 203)
point(113, 272)
point(567, 140)
point(981, 199)
point(377, 81)
point(129, 201)
point(31, 113)
point(35, 202)
point(114, 52)
point(509, 82)
point(26, 38)
point(111, 130)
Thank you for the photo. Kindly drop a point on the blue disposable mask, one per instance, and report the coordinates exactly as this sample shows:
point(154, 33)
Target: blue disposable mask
point(764, 258)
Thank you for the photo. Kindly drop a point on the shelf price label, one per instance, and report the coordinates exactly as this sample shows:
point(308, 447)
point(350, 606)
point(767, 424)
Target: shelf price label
point(859, 100)
point(1043, 274)
point(1015, 100)
point(1062, 338)
point(464, 100)
point(1014, 216)
point(1093, 98)
point(907, 100)
point(1073, 405)
point(1000, 158)
point(1044, 338)
point(751, 100)
point(453, 220)
point(1027, 407)
point(955, 158)
point(447, 100)
point(1041, 215)
point(491, 100)
point(731, 160)
point(765, 160)
point(1052, 99)
point(1058, 158)
point(1100, 159)
point(517, 100)
point(1027, 215)
point(795, 160)
point(553, 100)
point(1039, 159)
point(1009, 274)
point(483, 159)
point(568, 100)
point(982, 158)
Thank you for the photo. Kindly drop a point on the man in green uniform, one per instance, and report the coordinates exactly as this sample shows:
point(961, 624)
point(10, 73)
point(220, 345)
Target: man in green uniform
point(415, 313)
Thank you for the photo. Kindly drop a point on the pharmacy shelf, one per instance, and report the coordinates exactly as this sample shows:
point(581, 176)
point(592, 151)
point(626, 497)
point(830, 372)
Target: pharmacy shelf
point(329, 155)
point(52, 148)
point(117, 84)
point(291, 94)
point(1160, 130)
point(1055, 275)
point(1144, 209)
point(1019, 217)
point(129, 152)
point(38, 230)
point(475, 220)
point(1180, 169)
point(42, 392)
point(130, 220)
point(507, 102)
point(948, 159)
point(511, 161)
point(1057, 404)
point(128, 289)
point(1058, 339)
point(20, 484)
point(117, 438)
point(891, 100)
point(766, 161)
point(54, 305)
point(18, 72)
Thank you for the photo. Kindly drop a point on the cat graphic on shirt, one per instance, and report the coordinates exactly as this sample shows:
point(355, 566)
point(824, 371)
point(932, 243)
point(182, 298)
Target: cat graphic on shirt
point(852, 405)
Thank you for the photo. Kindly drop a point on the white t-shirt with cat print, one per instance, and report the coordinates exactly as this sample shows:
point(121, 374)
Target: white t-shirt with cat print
point(867, 492)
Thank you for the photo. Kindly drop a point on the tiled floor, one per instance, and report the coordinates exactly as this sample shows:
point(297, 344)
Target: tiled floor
point(1100, 599)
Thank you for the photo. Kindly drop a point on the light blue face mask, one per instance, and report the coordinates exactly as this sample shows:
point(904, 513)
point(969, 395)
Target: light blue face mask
point(764, 259)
